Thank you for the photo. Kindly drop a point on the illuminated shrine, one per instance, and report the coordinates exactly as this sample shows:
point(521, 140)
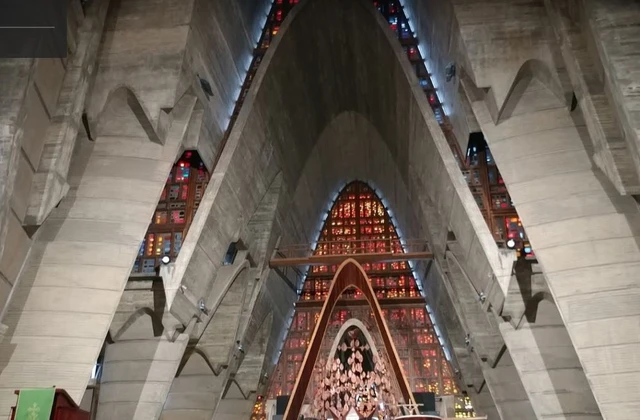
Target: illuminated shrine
point(358, 218)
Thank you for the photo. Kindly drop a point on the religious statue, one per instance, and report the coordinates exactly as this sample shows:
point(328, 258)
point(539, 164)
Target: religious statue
point(354, 379)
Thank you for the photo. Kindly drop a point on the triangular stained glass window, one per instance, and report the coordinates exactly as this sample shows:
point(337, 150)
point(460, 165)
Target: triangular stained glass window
point(358, 218)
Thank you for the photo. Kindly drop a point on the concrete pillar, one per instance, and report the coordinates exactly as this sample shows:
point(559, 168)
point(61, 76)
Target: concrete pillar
point(549, 367)
point(542, 350)
point(484, 405)
point(82, 256)
point(16, 76)
point(584, 235)
point(136, 378)
point(507, 390)
point(191, 394)
point(50, 177)
point(234, 409)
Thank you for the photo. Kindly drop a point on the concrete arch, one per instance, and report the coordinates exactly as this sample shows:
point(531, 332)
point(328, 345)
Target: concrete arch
point(153, 326)
point(532, 76)
point(194, 352)
point(190, 393)
point(122, 105)
point(276, 132)
point(363, 156)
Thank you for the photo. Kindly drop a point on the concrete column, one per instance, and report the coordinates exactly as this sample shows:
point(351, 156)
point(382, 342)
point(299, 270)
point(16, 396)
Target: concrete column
point(15, 76)
point(136, 378)
point(50, 178)
point(542, 350)
point(507, 390)
point(584, 235)
point(549, 367)
point(191, 394)
point(82, 256)
point(484, 405)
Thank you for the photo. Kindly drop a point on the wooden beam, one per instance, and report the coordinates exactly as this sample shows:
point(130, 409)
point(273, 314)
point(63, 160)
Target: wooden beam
point(387, 302)
point(339, 258)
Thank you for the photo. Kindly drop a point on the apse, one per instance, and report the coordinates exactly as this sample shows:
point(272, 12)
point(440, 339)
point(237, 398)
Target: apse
point(359, 222)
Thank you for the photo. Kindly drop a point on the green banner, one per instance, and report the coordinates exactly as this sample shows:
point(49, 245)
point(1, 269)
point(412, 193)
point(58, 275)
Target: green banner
point(35, 404)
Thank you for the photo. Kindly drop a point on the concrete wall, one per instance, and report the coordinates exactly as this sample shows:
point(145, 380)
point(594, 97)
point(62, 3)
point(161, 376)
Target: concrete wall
point(143, 357)
point(82, 255)
point(335, 79)
point(114, 184)
point(548, 365)
point(543, 152)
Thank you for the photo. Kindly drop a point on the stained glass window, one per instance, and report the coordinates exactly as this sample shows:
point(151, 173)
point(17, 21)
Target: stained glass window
point(359, 219)
point(177, 206)
point(493, 198)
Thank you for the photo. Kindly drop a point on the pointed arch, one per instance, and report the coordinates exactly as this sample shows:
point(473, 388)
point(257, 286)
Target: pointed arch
point(349, 274)
point(358, 215)
point(190, 357)
point(530, 71)
point(124, 111)
point(157, 329)
point(353, 322)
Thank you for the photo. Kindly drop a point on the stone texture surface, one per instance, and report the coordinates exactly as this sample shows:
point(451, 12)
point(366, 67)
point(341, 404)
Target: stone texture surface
point(549, 367)
point(507, 390)
point(65, 107)
point(335, 79)
point(614, 28)
point(143, 355)
point(16, 77)
point(137, 375)
point(75, 273)
point(542, 155)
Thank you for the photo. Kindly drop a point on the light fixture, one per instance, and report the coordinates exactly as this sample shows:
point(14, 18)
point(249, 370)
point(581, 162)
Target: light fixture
point(202, 307)
point(467, 339)
point(240, 348)
point(450, 71)
point(206, 87)
point(511, 244)
point(482, 297)
point(165, 260)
